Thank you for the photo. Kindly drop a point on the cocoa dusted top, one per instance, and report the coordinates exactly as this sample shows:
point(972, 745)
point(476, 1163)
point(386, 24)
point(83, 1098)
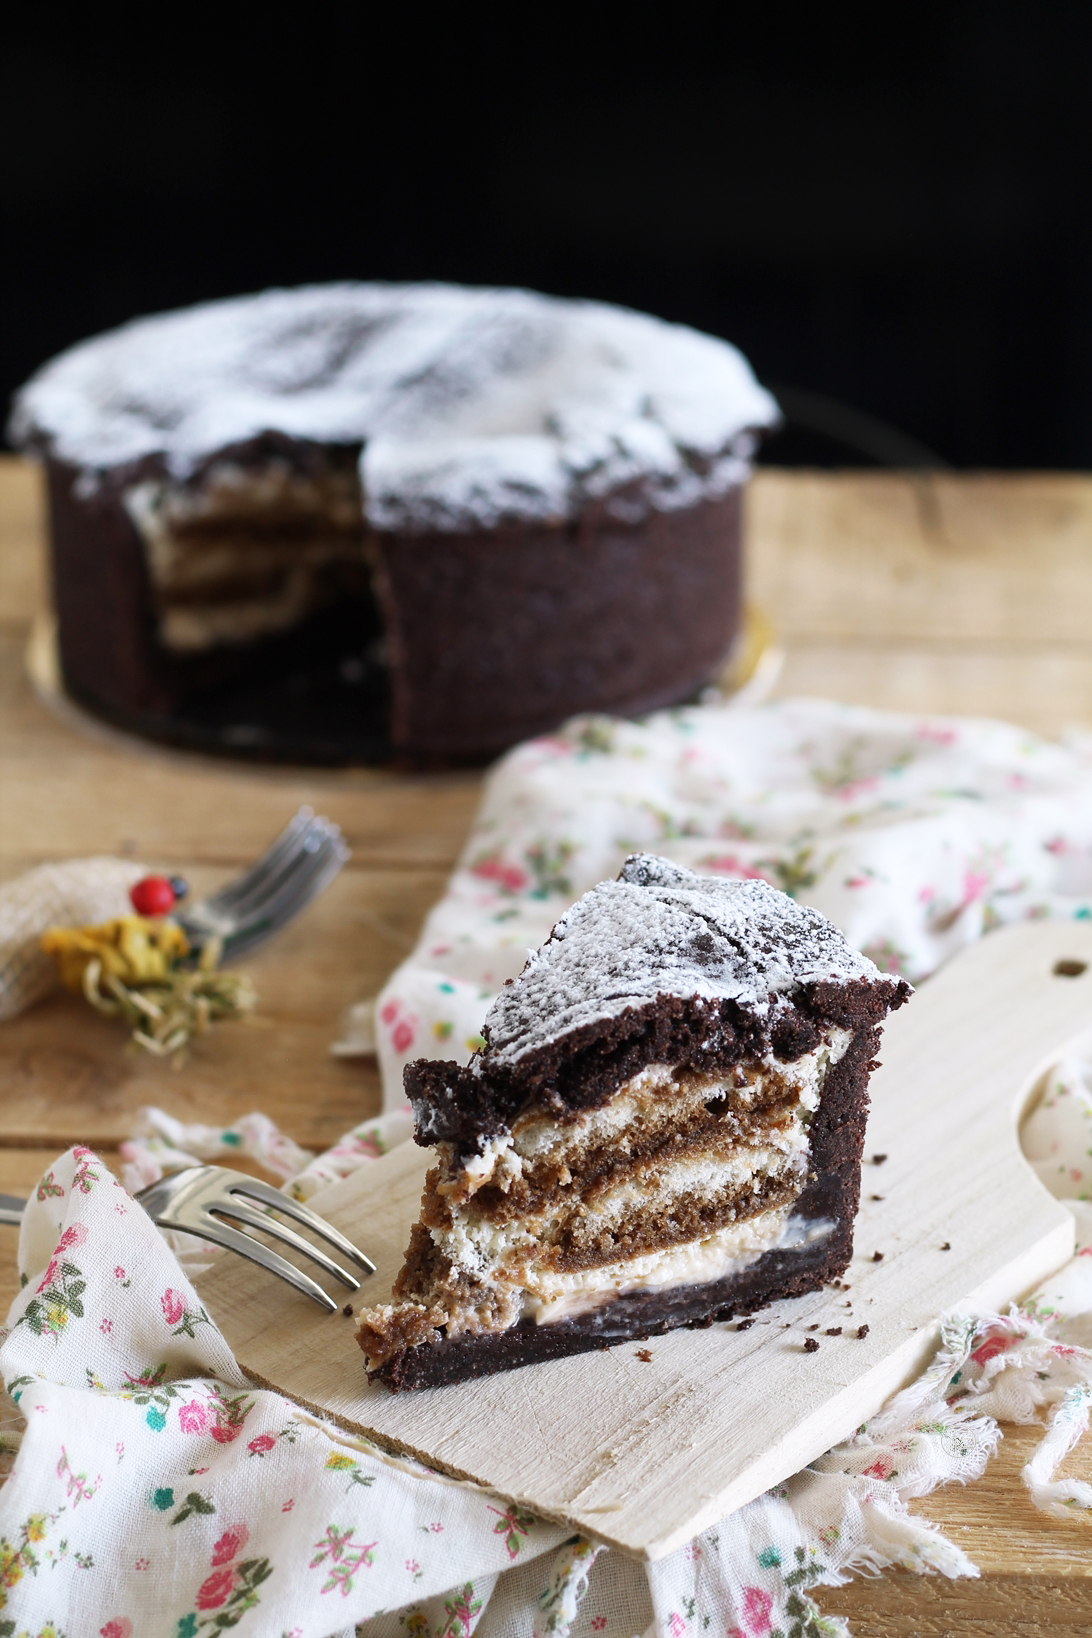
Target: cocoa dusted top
point(659, 966)
point(474, 407)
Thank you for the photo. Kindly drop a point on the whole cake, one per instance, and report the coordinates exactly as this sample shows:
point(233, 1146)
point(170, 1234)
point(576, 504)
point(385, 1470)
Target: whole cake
point(663, 1129)
point(440, 519)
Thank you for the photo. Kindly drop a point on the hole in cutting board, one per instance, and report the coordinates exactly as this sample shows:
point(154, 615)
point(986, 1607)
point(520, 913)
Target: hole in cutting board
point(1069, 967)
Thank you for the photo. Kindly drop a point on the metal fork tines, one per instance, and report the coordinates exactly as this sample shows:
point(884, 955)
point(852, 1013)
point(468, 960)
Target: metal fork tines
point(197, 1201)
point(304, 860)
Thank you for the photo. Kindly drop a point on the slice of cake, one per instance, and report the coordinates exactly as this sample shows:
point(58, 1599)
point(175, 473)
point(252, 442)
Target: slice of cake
point(664, 1129)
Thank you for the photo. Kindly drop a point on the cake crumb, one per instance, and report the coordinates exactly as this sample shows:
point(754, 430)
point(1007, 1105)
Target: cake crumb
point(645, 1354)
point(862, 1332)
point(745, 1325)
point(947, 1246)
point(877, 1256)
point(348, 1310)
point(834, 1331)
point(814, 1327)
point(878, 1160)
point(875, 1197)
point(811, 1346)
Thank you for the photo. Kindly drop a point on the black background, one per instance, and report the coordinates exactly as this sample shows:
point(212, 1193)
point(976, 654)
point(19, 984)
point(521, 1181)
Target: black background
point(889, 207)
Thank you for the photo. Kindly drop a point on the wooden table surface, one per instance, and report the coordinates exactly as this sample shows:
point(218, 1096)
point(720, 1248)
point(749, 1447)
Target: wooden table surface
point(964, 594)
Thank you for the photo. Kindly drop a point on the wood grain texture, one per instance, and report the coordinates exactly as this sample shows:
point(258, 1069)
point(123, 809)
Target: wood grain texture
point(933, 557)
point(662, 1449)
point(1047, 688)
point(22, 559)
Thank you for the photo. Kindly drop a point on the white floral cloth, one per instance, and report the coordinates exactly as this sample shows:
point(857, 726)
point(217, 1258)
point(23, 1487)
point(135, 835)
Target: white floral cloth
point(153, 1493)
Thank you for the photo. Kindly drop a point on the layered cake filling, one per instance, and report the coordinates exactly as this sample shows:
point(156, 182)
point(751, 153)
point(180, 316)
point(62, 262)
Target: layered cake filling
point(250, 551)
point(682, 1178)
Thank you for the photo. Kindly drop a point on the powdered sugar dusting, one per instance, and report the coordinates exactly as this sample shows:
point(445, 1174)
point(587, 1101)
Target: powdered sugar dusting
point(475, 406)
point(662, 930)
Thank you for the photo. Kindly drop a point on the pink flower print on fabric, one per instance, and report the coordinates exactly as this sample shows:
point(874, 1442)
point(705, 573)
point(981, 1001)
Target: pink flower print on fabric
point(757, 1604)
point(230, 1544)
point(401, 1023)
point(508, 877)
point(991, 1348)
point(194, 1417)
point(120, 1627)
point(84, 1178)
point(262, 1443)
point(882, 1468)
point(74, 1235)
point(230, 1415)
point(215, 1590)
point(727, 864)
point(172, 1305)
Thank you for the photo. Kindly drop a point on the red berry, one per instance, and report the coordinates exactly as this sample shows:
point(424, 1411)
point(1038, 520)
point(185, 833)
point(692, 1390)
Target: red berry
point(152, 896)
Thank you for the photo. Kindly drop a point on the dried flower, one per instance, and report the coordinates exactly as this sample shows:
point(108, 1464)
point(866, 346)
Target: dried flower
point(134, 949)
point(135, 968)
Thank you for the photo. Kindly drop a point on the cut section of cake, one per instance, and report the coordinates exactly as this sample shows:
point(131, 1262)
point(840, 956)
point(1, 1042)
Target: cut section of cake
point(664, 1129)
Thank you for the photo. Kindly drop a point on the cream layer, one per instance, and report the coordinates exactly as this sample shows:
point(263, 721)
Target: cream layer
point(548, 1298)
point(481, 1246)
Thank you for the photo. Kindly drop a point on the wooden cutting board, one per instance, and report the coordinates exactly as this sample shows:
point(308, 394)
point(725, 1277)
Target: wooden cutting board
point(646, 1453)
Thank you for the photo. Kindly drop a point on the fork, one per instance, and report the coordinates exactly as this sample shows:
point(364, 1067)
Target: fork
point(197, 1199)
point(301, 863)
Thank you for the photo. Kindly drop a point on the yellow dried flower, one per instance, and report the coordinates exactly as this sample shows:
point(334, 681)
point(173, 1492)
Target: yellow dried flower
point(133, 949)
point(134, 968)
